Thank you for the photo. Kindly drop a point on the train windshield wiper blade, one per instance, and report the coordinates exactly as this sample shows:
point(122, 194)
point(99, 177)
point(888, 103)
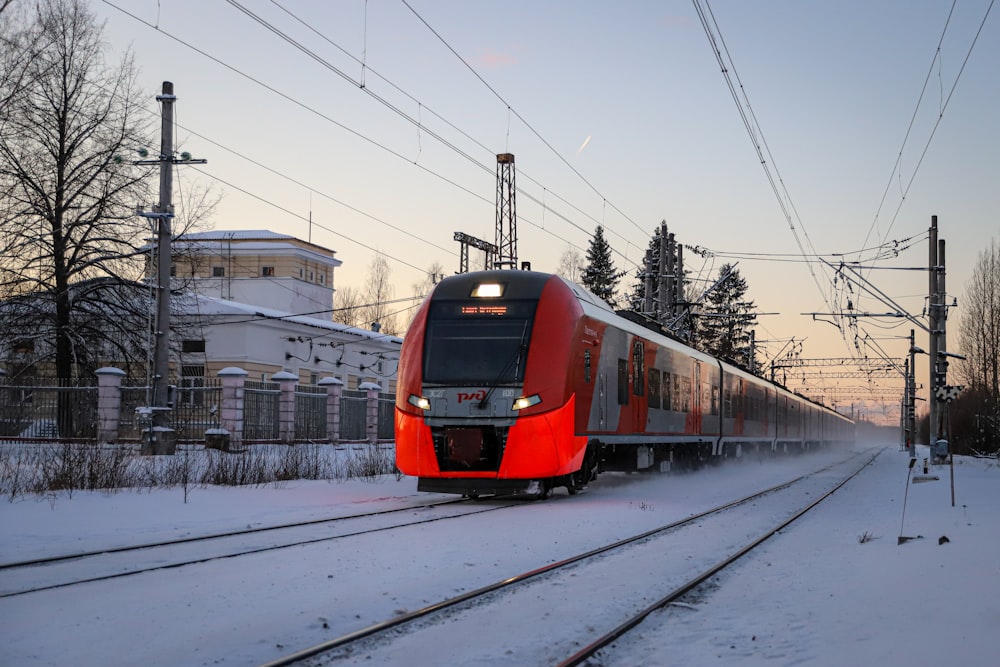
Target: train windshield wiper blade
point(513, 361)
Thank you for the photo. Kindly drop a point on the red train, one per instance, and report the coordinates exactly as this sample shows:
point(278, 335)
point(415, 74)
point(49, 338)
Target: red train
point(516, 382)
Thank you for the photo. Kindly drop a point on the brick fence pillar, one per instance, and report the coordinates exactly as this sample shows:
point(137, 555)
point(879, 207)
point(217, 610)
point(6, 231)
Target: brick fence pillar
point(231, 411)
point(109, 402)
point(371, 410)
point(334, 392)
point(286, 405)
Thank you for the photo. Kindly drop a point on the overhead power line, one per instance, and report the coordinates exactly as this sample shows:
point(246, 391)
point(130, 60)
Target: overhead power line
point(362, 136)
point(940, 116)
point(521, 118)
point(756, 134)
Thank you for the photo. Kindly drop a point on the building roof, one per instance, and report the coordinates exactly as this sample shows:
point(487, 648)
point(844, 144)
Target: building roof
point(235, 235)
point(248, 236)
point(212, 306)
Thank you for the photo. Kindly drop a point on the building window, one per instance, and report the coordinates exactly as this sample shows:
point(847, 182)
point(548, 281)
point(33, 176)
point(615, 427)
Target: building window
point(301, 272)
point(310, 276)
point(191, 391)
point(193, 346)
point(173, 270)
point(218, 271)
point(24, 346)
point(267, 271)
point(322, 279)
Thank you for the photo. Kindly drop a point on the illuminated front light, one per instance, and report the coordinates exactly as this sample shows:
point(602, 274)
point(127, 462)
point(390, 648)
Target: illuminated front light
point(419, 402)
point(526, 402)
point(487, 290)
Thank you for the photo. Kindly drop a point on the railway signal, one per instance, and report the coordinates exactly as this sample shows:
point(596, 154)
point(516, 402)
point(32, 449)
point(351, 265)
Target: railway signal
point(948, 393)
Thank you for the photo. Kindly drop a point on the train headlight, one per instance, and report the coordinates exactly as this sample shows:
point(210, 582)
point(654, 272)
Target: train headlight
point(487, 290)
point(526, 402)
point(419, 402)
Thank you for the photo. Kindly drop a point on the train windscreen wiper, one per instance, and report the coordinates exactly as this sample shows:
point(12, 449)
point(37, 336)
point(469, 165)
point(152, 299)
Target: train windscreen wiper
point(514, 361)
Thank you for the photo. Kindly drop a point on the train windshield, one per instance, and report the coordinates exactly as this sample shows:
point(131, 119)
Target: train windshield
point(477, 343)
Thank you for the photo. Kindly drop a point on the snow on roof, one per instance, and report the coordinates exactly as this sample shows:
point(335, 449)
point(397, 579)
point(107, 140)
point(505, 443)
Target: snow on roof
point(208, 305)
point(236, 235)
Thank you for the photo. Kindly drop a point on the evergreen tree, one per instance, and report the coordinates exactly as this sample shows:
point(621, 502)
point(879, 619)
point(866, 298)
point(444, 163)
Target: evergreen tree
point(600, 276)
point(660, 308)
point(726, 320)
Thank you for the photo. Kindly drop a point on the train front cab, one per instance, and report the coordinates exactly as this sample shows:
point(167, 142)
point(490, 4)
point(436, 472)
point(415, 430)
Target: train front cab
point(483, 403)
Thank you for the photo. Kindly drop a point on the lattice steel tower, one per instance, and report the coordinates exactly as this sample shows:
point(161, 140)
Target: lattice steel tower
point(506, 241)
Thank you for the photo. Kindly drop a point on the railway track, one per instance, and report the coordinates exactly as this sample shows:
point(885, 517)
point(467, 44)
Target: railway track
point(59, 571)
point(564, 604)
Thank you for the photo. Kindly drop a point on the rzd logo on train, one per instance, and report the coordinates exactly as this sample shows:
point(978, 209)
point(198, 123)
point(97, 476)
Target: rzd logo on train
point(464, 396)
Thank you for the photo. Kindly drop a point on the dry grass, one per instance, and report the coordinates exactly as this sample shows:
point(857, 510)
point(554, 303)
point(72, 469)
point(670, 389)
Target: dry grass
point(38, 469)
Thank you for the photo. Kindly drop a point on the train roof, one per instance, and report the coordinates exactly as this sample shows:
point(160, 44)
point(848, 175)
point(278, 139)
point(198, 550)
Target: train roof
point(597, 308)
point(529, 285)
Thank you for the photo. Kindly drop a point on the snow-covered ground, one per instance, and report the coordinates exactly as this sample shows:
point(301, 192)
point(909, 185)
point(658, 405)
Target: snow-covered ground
point(818, 594)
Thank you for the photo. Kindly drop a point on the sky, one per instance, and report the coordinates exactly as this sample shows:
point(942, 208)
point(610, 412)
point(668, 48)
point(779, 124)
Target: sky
point(379, 131)
point(815, 594)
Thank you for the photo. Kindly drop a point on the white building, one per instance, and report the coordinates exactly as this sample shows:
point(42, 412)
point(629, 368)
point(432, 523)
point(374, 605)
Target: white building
point(258, 267)
point(263, 302)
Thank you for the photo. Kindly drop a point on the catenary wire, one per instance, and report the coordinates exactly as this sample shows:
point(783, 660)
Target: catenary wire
point(512, 110)
point(369, 140)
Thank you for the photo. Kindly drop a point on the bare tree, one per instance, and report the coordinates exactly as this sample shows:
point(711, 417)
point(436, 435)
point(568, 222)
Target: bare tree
point(67, 196)
point(979, 336)
point(347, 306)
point(377, 294)
point(421, 288)
point(571, 264)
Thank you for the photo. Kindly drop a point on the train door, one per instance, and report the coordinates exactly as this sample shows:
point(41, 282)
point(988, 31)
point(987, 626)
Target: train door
point(696, 406)
point(602, 401)
point(738, 406)
point(638, 382)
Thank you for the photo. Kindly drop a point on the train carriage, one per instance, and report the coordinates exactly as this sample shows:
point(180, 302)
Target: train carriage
point(515, 382)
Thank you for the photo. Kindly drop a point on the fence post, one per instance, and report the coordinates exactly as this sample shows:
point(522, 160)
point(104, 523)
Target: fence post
point(231, 413)
point(286, 405)
point(109, 402)
point(371, 410)
point(334, 391)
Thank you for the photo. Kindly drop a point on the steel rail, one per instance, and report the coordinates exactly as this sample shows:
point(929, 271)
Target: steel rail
point(403, 619)
point(245, 552)
point(592, 648)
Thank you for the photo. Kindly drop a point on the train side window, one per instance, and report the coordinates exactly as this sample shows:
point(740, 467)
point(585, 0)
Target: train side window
point(637, 368)
point(623, 382)
point(667, 392)
point(715, 399)
point(654, 388)
point(727, 403)
point(586, 366)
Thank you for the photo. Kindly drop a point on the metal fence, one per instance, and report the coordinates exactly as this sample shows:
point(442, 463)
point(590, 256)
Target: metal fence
point(353, 404)
point(50, 409)
point(195, 410)
point(260, 411)
point(310, 412)
point(386, 416)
